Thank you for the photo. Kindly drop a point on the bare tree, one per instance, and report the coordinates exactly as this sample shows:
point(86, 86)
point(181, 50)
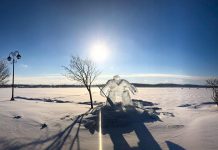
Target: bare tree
point(84, 71)
point(4, 72)
point(213, 83)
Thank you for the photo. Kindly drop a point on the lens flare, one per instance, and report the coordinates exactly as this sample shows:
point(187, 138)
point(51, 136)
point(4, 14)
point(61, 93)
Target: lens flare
point(100, 131)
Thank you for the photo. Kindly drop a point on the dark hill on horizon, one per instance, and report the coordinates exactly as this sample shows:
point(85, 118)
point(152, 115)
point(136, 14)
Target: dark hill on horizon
point(164, 85)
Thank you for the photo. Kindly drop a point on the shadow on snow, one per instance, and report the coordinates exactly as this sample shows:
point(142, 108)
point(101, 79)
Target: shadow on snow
point(116, 122)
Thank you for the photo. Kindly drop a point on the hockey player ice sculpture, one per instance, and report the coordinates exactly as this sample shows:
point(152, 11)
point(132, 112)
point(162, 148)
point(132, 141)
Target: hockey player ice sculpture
point(117, 87)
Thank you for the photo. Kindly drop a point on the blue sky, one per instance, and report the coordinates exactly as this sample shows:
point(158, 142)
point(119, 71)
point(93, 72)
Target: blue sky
point(149, 41)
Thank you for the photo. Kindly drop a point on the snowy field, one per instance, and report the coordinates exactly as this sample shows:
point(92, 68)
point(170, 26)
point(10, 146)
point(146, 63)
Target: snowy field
point(47, 118)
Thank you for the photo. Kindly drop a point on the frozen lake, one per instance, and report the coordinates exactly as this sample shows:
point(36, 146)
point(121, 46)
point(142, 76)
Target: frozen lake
point(163, 96)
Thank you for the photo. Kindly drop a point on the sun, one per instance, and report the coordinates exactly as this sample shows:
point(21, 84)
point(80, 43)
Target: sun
point(99, 52)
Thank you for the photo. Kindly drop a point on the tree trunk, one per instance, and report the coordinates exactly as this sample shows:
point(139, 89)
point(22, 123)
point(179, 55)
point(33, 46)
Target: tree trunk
point(90, 95)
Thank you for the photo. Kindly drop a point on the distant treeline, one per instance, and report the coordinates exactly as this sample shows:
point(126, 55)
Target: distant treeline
point(171, 85)
point(101, 85)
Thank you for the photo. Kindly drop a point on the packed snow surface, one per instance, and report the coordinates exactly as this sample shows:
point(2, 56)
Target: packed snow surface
point(59, 118)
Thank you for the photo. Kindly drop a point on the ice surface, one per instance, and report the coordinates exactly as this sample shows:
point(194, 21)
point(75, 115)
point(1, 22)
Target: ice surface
point(116, 88)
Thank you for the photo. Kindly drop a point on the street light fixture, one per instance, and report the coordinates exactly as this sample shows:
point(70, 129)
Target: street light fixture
point(13, 57)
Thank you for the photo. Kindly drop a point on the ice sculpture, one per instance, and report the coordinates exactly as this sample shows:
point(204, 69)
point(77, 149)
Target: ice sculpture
point(117, 87)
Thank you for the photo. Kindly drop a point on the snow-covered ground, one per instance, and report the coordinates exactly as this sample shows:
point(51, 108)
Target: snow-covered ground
point(47, 118)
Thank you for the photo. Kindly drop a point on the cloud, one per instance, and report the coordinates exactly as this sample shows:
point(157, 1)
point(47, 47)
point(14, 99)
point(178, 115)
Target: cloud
point(43, 79)
point(162, 78)
point(134, 78)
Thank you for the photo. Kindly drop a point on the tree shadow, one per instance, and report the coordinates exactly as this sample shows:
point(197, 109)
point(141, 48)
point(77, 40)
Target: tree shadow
point(198, 105)
point(55, 100)
point(117, 122)
point(55, 142)
point(61, 137)
point(43, 99)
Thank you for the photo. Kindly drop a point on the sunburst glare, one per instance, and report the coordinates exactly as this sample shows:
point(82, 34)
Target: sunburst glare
point(99, 51)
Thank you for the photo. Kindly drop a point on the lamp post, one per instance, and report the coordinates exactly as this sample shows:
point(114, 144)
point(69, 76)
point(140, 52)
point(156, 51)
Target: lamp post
point(13, 57)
